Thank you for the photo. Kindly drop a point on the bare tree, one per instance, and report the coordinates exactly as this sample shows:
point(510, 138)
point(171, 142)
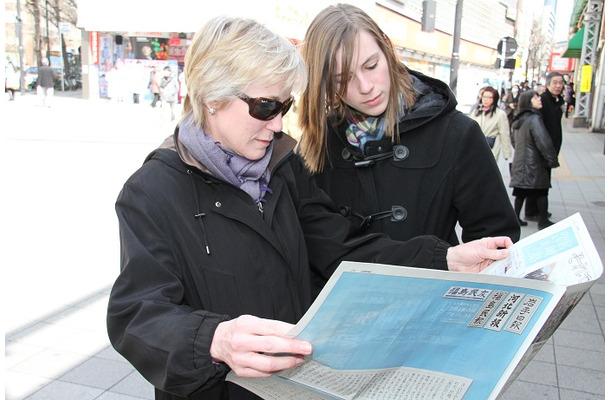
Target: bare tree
point(538, 52)
point(50, 12)
point(33, 7)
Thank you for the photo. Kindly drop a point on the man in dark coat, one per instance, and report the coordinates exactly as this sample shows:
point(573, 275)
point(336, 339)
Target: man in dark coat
point(45, 83)
point(552, 111)
point(552, 107)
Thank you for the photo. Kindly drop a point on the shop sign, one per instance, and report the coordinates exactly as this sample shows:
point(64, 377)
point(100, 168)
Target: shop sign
point(561, 64)
point(65, 27)
point(94, 45)
point(178, 52)
point(586, 78)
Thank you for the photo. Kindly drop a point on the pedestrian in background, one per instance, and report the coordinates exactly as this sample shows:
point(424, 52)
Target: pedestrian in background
point(552, 108)
point(11, 80)
point(570, 98)
point(525, 85)
point(169, 90)
point(552, 111)
point(223, 230)
point(387, 143)
point(45, 84)
point(138, 81)
point(117, 83)
point(182, 90)
point(155, 86)
point(512, 101)
point(475, 105)
point(534, 157)
point(494, 123)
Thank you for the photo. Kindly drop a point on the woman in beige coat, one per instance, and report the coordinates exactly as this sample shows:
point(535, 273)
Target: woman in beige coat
point(493, 122)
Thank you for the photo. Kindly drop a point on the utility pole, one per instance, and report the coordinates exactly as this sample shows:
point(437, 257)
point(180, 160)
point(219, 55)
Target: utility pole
point(20, 36)
point(455, 55)
point(46, 7)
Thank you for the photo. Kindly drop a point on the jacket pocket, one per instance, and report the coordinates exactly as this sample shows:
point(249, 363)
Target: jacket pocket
point(224, 295)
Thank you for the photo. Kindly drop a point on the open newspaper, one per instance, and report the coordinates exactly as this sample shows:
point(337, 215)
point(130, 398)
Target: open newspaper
point(387, 332)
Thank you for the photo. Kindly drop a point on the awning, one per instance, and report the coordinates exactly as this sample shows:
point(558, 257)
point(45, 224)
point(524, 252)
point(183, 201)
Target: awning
point(575, 45)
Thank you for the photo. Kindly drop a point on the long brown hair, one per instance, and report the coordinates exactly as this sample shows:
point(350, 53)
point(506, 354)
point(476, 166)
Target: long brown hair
point(336, 29)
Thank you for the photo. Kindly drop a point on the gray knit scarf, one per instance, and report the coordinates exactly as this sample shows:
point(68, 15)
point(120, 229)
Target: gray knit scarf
point(251, 176)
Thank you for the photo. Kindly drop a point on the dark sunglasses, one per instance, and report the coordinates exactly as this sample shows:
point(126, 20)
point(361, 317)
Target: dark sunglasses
point(266, 109)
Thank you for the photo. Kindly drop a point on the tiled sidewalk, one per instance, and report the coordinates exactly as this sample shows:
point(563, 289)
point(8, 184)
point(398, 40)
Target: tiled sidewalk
point(66, 355)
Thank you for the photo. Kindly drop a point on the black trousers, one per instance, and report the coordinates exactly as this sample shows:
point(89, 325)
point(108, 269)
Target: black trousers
point(156, 99)
point(531, 205)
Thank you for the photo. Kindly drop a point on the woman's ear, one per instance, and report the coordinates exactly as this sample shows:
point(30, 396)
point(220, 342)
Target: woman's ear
point(212, 107)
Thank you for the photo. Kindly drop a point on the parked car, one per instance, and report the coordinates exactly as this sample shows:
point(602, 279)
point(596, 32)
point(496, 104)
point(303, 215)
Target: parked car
point(31, 75)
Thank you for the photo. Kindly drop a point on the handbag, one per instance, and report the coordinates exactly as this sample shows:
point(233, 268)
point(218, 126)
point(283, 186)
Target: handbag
point(490, 141)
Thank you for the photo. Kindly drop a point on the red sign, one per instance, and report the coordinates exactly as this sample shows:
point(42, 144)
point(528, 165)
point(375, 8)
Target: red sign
point(178, 53)
point(560, 64)
point(94, 47)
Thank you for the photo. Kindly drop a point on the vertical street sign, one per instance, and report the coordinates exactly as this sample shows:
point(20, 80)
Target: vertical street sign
point(507, 47)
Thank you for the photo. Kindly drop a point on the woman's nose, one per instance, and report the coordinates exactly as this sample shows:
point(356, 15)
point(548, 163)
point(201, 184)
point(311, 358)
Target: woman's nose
point(364, 85)
point(275, 124)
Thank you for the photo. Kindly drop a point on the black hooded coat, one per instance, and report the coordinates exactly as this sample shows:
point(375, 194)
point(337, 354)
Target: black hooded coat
point(442, 172)
point(197, 251)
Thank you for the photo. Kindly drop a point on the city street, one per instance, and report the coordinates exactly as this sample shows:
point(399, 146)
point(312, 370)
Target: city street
point(63, 168)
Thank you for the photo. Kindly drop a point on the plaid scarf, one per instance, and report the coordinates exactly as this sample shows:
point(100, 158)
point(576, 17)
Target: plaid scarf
point(361, 128)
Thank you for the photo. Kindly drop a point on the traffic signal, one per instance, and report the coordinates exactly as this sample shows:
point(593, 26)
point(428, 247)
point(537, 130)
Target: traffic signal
point(509, 63)
point(428, 15)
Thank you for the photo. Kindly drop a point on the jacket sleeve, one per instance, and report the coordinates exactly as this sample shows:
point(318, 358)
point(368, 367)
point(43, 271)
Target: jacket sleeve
point(332, 238)
point(503, 128)
point(543, 142)
point(148, 323)
point(483, 206)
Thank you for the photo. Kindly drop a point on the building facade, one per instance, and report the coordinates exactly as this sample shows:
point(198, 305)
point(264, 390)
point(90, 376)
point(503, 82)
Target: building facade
point(115, 31)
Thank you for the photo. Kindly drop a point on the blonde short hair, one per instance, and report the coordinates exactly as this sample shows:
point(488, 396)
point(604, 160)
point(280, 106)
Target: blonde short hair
point(228, 55)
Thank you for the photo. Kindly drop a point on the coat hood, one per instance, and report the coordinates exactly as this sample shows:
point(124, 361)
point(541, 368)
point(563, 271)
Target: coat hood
point(434, 98)
point(522, 117)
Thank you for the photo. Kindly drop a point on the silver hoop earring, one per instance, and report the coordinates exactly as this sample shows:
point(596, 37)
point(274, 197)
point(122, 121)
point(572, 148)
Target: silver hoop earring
point(212, 111)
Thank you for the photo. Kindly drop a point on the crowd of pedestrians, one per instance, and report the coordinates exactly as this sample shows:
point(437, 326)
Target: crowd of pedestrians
point(536, 135)
point(528, 122)
point(161, 87)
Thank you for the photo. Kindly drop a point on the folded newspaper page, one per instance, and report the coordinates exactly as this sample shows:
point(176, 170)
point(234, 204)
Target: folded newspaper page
point(388, 332)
